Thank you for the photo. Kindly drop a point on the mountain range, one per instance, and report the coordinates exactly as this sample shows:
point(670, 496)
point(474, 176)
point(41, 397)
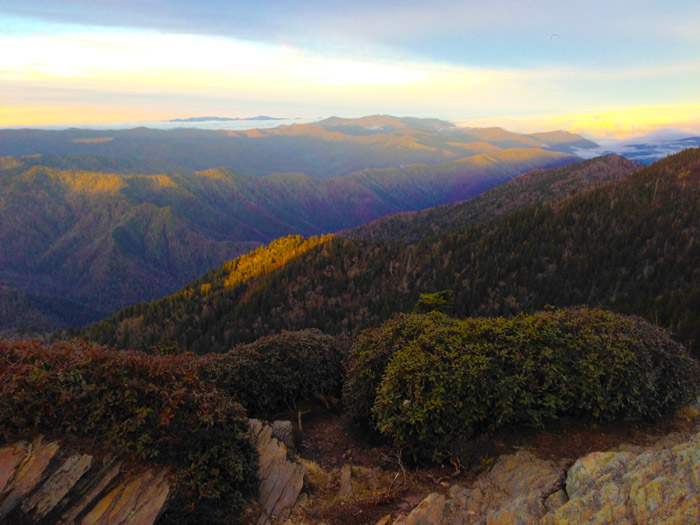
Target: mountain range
point(330, 148)
point(99, 232)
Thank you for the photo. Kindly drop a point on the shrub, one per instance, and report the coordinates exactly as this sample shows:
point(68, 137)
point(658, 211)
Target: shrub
point(276, 372)
point(425, 381)
point(373, 350)
point(443, 301)
point(153, 406)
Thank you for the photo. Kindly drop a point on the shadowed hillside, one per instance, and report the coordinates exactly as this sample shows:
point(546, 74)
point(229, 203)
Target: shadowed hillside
point(529, 188)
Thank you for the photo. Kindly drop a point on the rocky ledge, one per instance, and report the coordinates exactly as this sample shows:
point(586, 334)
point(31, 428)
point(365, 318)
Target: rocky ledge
point(657, 484)
point(40, 482)
point(43, 482)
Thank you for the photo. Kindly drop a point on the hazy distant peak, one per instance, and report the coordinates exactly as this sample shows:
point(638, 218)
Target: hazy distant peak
point(499, 134)
point(558, 136)
point(563, 137)
point(224, 119)
point(388, 123)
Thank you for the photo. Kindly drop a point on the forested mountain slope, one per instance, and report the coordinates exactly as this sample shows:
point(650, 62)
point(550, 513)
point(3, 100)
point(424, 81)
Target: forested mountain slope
point(631, 245)
point(529, 188)
point(105, 240)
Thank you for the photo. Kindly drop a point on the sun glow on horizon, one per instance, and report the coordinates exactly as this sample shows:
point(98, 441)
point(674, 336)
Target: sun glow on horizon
point(617, 123)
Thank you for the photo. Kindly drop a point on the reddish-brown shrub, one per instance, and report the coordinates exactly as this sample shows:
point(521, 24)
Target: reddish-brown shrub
point(153, 406)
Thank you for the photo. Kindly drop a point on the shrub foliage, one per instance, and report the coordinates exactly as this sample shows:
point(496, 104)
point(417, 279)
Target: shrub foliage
point(277, 372)
point(153, 406)
point(425, 381)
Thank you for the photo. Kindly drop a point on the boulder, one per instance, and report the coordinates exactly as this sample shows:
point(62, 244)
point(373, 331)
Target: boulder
point(429, 511)
point(284, 432)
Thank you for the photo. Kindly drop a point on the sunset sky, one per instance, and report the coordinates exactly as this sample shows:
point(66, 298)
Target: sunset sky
point(602, 67)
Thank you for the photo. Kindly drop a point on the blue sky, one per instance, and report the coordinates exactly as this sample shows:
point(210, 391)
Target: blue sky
point(532, 64)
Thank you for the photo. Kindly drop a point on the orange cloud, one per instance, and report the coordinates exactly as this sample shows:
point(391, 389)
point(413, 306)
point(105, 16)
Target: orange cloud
point(85, 114)
point(619, 123)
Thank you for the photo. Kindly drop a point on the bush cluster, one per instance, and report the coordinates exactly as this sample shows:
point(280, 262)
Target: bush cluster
point(426, 381)
point(153, 406)
point(276, 372)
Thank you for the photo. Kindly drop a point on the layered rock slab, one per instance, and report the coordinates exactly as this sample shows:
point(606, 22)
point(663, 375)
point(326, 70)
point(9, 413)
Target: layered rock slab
point(41, 483)
point(281, 479)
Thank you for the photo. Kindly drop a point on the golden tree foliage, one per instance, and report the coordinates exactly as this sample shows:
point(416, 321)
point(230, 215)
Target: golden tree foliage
point(267, 258)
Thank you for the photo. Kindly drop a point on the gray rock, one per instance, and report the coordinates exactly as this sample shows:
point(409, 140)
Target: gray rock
point(91, 486)
point(657, 485)
point(555, 500)
point(428, 512)
point(10, 459)
point(139, 499)
point(28, 474)
point(55, 488)
point(513, 491)
point(284, 432)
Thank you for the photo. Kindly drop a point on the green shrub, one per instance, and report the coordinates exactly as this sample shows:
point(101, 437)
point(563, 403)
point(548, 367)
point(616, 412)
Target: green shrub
point(425, 381)
point(443, 301)
point(370, 354)
point(276, 372)
point(153, 406)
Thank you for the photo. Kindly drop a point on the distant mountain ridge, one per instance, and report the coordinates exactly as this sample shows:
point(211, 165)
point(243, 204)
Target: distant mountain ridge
point(330, 148)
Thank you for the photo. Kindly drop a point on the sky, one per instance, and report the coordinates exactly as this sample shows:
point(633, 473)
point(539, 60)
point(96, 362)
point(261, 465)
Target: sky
point(612, 68)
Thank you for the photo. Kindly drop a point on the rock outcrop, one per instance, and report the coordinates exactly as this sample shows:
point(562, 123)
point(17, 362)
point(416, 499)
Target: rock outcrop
point(42, 483)
point(281, 479)
point(514, 490)
point(656, 484)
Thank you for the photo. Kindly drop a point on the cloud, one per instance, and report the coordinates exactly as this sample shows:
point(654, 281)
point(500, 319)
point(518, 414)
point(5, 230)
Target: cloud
point(469, 32)
point(210, 70)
